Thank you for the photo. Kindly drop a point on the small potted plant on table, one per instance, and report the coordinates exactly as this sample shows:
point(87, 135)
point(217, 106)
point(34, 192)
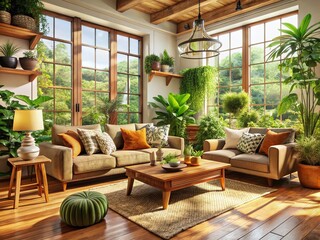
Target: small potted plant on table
point(196, 158)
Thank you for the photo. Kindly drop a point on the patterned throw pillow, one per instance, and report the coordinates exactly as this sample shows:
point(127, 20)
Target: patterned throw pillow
point(157, 135)
point(249, 142)
point(88, 138)
point(106, 143)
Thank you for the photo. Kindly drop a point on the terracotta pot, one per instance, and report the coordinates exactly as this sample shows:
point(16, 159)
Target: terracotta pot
point(195, 161)
point(28, 63)
point(309, 176)
point(9, 62)
point(187, 160)
point(156, 66)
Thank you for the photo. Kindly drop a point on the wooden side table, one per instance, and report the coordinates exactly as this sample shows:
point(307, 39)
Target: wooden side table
point(41, 177)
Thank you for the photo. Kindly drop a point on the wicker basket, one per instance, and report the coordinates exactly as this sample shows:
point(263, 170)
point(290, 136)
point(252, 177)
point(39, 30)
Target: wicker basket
point(24, 22)
point(5, 17)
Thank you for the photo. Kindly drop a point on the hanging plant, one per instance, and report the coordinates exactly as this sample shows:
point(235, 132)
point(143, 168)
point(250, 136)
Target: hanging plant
point(200, 82)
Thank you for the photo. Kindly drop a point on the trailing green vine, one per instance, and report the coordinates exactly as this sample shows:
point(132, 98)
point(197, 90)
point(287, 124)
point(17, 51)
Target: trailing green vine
point(200, 82)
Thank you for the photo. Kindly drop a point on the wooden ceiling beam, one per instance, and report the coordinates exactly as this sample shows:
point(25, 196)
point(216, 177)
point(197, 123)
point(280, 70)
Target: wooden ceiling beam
point(177, 9)
point(124, 5)
point(226, 12)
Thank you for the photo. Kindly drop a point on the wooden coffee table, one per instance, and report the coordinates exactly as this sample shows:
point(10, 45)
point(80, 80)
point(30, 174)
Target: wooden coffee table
point(169, 181)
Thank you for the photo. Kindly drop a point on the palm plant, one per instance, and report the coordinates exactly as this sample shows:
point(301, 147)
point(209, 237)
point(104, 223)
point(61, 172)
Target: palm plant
point(174, 111)
point(8, 49)
point(301, 48)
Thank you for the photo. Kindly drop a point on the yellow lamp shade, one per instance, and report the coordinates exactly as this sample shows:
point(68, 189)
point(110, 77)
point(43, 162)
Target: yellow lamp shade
point(27, 120)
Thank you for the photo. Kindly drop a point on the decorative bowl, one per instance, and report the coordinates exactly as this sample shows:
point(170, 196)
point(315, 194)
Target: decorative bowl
point(174, 164)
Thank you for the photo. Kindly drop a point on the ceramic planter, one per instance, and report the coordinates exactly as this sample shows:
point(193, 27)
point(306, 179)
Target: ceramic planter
point(156, 66)
point(309, 176)
point(28, 63)
point(195, 161)
point(165, 68)
point(187, 160)
point(8, 62)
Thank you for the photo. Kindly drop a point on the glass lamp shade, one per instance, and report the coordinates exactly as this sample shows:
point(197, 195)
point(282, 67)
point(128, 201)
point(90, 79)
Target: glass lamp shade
point(200, 45)
point(28, 121)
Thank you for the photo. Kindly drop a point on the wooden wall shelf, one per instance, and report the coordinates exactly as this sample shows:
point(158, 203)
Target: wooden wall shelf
point(21, 33)
point(32, 74)
point(167, 75)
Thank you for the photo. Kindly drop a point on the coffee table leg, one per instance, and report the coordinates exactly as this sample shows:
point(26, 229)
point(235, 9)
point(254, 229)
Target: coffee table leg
point(165, 199)
point(222, 180)
point(130, 185)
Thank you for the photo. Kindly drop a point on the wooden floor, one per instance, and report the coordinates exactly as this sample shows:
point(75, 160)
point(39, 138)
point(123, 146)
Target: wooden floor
point(291, 212)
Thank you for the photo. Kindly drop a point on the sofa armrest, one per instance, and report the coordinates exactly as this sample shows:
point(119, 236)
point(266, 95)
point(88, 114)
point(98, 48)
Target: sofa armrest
point(213, 144)
point(176, 142)
point(282, 159)
point(61, 160)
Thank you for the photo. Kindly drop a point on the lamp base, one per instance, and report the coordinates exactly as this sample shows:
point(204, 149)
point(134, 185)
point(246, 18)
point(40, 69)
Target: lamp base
point(28, 149)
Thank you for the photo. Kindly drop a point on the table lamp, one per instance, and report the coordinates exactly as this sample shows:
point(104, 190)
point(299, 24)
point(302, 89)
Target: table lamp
point(28, 121)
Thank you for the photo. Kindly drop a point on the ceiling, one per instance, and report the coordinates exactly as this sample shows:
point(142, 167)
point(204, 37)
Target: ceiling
point(184, 12)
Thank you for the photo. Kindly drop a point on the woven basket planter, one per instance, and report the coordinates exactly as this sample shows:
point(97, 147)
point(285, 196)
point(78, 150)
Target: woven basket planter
point(5, 17)
point(24, 22)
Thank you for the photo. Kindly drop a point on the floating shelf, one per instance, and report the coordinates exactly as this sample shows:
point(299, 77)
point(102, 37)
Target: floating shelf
point(21, 33)
point(32, 74)
point(167, 75)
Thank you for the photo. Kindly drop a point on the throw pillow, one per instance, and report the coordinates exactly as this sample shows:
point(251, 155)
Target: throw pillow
point(272, 138)
point(88, 138)
point(134, 139)
point(106, 143)
point(71, 139)
point(249, 142)
point(233, 136)
point(158, 135)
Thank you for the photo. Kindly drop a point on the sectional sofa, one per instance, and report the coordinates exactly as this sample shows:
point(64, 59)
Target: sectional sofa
point(67, 169)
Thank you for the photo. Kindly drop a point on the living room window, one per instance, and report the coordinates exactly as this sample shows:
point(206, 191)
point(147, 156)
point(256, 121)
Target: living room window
point(243, 65)
point(85, 67)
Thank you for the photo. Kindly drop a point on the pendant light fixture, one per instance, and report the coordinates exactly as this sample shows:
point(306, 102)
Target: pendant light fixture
point(200, 45)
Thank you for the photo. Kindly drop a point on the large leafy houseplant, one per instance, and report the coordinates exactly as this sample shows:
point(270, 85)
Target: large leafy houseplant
point(301, 48)
point(11, 140)
point(174, 111)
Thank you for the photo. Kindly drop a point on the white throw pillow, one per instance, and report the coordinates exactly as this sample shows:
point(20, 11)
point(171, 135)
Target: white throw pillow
point(233, 136)
point(106, 143)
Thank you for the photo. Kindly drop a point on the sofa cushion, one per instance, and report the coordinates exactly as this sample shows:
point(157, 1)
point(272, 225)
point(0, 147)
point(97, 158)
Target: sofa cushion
point(106, 143)
point(88, 138)
point(223, 155)
point(233, 136)
point(57, 129)
point(290, 138)
point(142, 125)
point(134, 140)
point(115, 132)
point(249, 142)
point(158, 135)
point(272, 138)
point(130, 157)
point(71, 142)
point(255, 162)
point(92, 163)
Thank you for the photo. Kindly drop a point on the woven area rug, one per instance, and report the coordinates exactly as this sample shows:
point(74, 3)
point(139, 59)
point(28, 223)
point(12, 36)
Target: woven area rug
point(187, 207)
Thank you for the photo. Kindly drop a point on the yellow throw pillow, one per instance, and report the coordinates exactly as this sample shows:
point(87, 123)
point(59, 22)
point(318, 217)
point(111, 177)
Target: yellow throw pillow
point(72, 141)
point(134, 139)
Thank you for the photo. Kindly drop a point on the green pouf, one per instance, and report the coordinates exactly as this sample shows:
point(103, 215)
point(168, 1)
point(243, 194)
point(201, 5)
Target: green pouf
point(84, 209)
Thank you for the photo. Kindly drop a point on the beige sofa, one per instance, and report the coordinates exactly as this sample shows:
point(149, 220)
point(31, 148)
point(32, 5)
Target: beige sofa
point(67, 169)
point(280, 162)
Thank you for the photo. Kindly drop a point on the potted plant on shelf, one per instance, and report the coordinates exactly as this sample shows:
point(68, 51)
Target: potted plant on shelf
point(152, 62)
point(8, 49)
point(166, 61)
point(28, 14)
point(5, 16)
point(308, 149)
point(29, 61)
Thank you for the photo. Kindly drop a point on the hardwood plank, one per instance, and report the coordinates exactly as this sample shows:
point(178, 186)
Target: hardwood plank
point(271, 236)
point(124, 5)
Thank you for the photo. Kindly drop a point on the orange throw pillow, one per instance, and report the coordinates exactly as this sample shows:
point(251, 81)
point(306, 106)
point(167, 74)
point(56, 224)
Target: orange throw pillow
point(134, 139)
point(71, 139)
point(272, 138)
